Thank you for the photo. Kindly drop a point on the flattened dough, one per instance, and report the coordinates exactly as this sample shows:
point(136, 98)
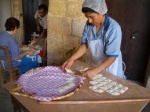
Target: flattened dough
point(69, 71)
point(99, 84)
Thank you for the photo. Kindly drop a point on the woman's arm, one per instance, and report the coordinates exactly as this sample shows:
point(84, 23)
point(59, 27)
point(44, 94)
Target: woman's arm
point(106, 63)
point(37, 24)
point(20, 56)
point(81, 50)
point(35, 41)
point(31, 52)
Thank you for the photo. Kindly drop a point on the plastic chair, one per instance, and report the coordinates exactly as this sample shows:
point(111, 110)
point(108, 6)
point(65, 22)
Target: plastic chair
point(12, 71)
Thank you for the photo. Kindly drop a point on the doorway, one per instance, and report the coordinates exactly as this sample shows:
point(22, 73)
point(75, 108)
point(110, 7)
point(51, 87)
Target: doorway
point(29, 9)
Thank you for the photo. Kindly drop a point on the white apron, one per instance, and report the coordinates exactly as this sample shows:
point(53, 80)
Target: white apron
point(97, 52)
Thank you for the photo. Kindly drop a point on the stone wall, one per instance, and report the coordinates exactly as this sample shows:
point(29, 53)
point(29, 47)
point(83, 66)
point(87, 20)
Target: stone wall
point(65, 25)
point(17, 13)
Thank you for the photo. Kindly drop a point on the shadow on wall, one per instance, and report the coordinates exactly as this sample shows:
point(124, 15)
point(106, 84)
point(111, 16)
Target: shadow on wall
point(67, 55)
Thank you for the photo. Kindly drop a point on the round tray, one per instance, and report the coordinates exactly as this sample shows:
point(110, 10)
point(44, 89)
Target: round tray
point(44, 84)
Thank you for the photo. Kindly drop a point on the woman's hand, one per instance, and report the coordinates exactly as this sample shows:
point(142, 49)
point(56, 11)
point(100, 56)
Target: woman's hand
point(30, 53)
point(35, 41)
point(90, 73)
point(67, 64)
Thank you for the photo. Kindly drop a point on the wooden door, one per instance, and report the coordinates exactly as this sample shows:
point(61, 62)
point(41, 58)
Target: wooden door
point(134, 18)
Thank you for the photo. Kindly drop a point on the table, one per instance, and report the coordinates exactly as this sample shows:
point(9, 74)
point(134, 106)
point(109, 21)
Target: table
point(86, 100)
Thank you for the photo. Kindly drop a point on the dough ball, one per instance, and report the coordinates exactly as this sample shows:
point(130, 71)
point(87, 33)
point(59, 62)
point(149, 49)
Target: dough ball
point(99, 90)
point(115, 93)
point(97, 76)
point(94, 82)
point(69, 71)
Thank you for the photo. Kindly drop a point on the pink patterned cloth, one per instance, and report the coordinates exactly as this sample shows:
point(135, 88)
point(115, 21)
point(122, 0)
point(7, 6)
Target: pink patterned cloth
point(43, 84)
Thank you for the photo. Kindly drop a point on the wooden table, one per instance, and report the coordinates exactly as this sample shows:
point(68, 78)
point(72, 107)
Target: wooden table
point(86, 100)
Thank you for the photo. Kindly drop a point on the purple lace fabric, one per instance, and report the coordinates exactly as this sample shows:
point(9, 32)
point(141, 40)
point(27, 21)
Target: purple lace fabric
point(43, 84)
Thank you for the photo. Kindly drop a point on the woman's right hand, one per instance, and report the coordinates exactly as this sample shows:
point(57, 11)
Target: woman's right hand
point(34, 41)
point(67, 64)
point(30, 53)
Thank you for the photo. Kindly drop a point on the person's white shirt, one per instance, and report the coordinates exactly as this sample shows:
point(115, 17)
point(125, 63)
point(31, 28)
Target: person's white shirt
point(42, 21)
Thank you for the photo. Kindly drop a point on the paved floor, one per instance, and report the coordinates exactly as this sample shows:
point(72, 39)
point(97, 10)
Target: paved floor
point(5, 101)
point(147, 108)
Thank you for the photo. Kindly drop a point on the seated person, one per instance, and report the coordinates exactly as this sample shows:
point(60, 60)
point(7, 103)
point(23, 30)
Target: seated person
point(26, 60)
point(41, 23)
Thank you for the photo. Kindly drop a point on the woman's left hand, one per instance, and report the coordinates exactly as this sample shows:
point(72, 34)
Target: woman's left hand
point(90, 73)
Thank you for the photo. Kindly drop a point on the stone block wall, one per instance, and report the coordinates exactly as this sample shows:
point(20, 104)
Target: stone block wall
point(17, 13)
point(65, 25)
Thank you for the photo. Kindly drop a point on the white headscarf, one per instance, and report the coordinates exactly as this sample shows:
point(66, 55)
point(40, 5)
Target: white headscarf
point(96, 5)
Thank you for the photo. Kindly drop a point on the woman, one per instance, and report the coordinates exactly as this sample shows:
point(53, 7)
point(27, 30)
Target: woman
point(41, 23)
point(7, 39)
point(102, 36)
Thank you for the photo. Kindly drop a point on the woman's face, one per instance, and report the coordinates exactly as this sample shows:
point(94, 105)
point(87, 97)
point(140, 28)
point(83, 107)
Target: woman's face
point(94, 18)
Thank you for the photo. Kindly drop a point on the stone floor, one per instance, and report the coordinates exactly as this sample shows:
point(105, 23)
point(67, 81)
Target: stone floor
point(147, 108)
point(5, 101)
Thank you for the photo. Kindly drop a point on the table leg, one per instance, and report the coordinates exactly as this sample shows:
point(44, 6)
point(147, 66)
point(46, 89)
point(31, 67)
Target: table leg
point(1, 77)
